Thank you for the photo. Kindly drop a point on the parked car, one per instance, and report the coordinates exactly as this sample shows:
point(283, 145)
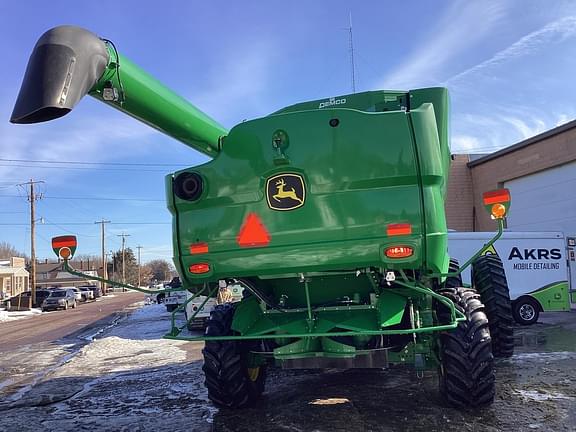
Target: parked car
point(87, 293)
point(77, 293)
point(60, 299)
point(94, 288)
point(23, 299)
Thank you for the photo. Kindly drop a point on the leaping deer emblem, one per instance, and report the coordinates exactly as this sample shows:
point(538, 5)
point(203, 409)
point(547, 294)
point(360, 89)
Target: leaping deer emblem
point(281, 193)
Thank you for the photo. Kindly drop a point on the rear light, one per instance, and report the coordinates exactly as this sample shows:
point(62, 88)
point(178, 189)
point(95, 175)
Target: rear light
point(199, 268)
point(398, 229)
point(399, 252)
point(199, 248)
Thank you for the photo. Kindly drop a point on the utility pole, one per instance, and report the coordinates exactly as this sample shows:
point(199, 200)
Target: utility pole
point(32, 199)
point(123, 257)
point(104, 266)
point(139, 273)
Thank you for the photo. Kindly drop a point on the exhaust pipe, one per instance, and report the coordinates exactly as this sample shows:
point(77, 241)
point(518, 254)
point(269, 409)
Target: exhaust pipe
point(65, 64)
point(69, 62)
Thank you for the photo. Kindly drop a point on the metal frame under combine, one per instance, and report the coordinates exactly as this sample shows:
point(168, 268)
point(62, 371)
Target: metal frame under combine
point(311, 329)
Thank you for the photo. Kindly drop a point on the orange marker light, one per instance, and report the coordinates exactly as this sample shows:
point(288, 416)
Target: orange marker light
point(199, 248)
point(496, 197)
point(398, 229)
point(399, 252)
point(65, 253)
point(498, 211)
point(199, 268)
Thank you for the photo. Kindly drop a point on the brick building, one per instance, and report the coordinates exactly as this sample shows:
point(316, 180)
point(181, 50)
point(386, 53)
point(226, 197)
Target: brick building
point(540, 173)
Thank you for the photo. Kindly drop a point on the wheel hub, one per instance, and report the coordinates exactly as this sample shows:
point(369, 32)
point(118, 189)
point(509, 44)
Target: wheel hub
point(526, 312)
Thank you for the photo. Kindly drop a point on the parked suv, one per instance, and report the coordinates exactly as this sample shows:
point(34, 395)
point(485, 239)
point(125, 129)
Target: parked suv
point(22, 300)
point(87, 293)
point(59, 299)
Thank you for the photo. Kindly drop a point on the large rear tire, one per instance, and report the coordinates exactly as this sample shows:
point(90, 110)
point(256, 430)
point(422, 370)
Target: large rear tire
point(231, 383)
point(466, 363)
point(453, 281)
point(489, 279)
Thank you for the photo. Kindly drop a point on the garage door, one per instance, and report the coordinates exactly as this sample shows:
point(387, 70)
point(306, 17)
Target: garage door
point(544, 201)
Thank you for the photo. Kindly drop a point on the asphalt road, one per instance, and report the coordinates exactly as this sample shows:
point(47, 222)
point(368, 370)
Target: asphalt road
point(52, 326)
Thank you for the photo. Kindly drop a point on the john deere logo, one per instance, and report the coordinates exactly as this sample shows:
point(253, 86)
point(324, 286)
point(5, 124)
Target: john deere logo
point(285, 192)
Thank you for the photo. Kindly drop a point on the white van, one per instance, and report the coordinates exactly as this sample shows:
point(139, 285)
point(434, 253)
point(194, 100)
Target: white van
point(537, 266)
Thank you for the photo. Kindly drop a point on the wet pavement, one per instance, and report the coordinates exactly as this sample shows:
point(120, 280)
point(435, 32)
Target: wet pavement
point(121, 382)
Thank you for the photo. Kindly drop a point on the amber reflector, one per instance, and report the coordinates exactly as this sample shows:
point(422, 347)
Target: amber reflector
point(399, 229)
point(65, 253)
point(399, 252)
point(199, 248)
point(253, 233)
point(199, 268)
point(495, 197)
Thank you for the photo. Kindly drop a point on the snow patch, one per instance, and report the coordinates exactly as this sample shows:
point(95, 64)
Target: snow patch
point(545, 356)
point(18, 315)
point(541, 395)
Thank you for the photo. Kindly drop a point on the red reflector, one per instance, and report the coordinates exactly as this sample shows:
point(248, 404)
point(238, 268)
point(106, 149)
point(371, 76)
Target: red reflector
point(199, 248)
point(64, 241)
point(496, 197)
point(399, 229)
point(399, 252)
point(253, 233)
point(199, 268)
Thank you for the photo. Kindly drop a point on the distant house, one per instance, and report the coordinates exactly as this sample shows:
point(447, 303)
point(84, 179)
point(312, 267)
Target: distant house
point(53, 275)
point(13, 277)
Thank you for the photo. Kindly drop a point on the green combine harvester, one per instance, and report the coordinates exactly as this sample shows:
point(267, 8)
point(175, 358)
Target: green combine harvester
point(329, 213)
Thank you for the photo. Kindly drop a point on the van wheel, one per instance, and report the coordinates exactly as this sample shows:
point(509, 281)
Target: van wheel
point(526, 311)
point(466, 370)
point(489, 279)
point(230, 380)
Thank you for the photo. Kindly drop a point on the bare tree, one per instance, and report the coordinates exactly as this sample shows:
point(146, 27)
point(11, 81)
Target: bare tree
point(8, 251)
point(160, 270)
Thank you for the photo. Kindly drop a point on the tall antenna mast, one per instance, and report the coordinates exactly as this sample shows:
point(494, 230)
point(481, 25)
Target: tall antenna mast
point(352, 65)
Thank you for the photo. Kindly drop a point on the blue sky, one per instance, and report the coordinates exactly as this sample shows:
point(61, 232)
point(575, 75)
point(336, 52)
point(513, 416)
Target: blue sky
point(509, 65)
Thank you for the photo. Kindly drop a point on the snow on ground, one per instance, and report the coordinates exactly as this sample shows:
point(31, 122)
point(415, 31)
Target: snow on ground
point(127, 378)
point(18, 315)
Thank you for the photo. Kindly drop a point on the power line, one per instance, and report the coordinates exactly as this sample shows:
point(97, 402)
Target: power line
point(86, 223)
point(89, 163)
point(79, 169)
point(90, 198)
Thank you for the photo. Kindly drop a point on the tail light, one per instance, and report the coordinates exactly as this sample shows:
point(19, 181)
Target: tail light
point(199, 268)
point(399, 252)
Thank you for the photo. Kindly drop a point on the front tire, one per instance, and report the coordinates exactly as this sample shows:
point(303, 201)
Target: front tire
point(526, 311)
point(466, 363)
point(489, 279)
point(231, 383)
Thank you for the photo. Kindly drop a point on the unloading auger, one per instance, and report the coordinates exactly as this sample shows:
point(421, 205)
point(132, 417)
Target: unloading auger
point(330, 213)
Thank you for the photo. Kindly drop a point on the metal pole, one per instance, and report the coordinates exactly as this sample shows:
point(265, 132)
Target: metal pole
point(123, 258)
point(32, 198)
point(139, 268)
point(32, 245)
point(104, 267)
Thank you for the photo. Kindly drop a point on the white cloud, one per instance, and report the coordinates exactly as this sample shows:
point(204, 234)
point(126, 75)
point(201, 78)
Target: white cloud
point(463, 25)
point(558, 31)
point(525, 128)
point(238, 86)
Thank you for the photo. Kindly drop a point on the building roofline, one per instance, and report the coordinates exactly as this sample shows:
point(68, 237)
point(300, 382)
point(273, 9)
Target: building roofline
point(533, 140)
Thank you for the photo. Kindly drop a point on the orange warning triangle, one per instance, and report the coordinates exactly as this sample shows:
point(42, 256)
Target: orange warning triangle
point(253, 232)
